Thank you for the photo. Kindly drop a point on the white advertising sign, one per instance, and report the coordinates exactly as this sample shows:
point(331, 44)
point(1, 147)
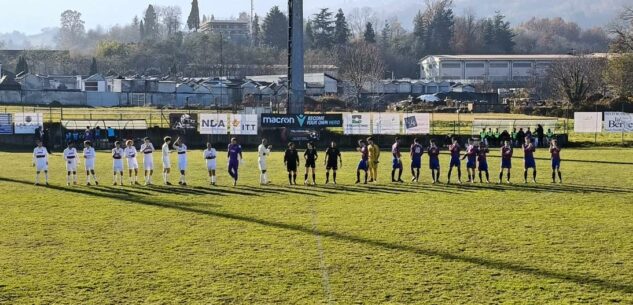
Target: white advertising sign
point(618, 122)
point(386, 123)
point(27, 123)
point(357, 123)
point(213, 123)
point(243, 124)
point(417, 123)
point(587, 122)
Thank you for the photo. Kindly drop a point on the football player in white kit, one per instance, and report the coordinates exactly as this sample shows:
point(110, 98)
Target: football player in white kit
point(210, 156)
point(181, 148)
point(72, 159)
point(263, 152)
point(90, 155)
point(148, 160)
point(117, 163)
point(132, 164)
point(40, 162)
point(166, 160)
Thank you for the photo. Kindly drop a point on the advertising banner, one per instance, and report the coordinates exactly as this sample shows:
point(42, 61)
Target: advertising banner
point(213, 123)
point(587, 122)
point(386, 123)
point(357, 123)
point(618, 122)
point(417, 123)
point(6, 123)
point(302, 120)
point(27, 123)
point(243, 124)
point(183, 121)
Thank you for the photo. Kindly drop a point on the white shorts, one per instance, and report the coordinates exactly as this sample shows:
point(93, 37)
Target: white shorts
point(211, 165)
point(262, 165)
point(166, 163)
point(148, 163)
point(71, 165)
point(117, 165)
point(132, 163)
point(41, 165)
point(182, 162)
point(90, 164)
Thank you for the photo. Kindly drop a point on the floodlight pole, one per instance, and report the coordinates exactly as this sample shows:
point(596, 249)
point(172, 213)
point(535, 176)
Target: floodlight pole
point(296, 82)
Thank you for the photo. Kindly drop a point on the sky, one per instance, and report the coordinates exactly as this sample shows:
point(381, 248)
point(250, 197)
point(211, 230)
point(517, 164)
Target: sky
point(30, 16)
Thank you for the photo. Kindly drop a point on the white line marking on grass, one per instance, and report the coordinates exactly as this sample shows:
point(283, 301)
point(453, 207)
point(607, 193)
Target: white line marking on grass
point(324, 274)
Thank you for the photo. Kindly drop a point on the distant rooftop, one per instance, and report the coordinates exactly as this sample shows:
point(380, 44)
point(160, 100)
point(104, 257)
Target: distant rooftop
point(511, 56)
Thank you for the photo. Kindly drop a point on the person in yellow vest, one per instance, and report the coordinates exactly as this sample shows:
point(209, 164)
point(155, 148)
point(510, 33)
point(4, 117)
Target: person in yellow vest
point(374, 154)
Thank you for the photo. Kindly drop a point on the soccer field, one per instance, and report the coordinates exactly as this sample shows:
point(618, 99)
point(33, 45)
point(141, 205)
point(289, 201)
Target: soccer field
point(343, 244)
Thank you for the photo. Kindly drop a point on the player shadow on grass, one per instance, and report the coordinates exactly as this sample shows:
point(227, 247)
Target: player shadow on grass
point(543, 187)
point(497, 264)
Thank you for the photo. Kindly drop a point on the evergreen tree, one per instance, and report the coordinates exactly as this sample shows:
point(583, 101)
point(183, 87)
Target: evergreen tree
point(256, 35)
point(504, 36)
point(275, 29)
point(93, 67)
point(370, 34)
point(308, 37)
point(323, 29)
point(173, 70)
point(151, 23)
point(386, 34)
point(193, 22)
point(142, 30)
point(419, 35)
point(22, 65)
point(342, 32)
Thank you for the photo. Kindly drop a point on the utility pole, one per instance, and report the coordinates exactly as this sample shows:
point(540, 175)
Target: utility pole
point(296, 83)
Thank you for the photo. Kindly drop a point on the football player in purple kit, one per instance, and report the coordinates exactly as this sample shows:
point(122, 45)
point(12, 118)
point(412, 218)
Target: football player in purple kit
point(506, 160)
point(235, 157)
point(455, 162)
point(434, 161)
point(528, 158)
point(397, 161)
point(471, 164)
point(483, 161)
point(416, 160)
point(554, 150)
point(363, 165)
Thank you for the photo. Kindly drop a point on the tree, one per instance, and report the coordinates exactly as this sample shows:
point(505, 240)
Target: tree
point(93, 67)
point(342, 32)
point(576, 79)
point(323, 29)
point(256, 34)
point(275, 29)
point(438, 27)
point(419, 35)
point(308, 37)
point(465, 35)
point(622, 30)
point(369, 35)
point(360, 66)
point(71, 30)
point(171, 19)
point(142, 30)
point(193, 22)
point(619, 75)
point(151, 24)
point(22, 66)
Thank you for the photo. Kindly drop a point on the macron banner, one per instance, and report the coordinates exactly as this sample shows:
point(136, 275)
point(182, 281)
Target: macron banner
point(27, 123)
point(270, 120)
point(6, 123)
point(357, 123)
point(587, 122)
point(213, 123)
point(386, 123)
point(417, 123)
point(618, 122)
point(243, 124)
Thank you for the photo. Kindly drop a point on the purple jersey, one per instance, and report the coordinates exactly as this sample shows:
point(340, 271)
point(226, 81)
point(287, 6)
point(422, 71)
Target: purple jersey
point(555, 151)
point(454, 151)
point(471, 152)
point(416, 151)
point(506, 153)
point(434, 153)
point(364, 153)
point(481, 154)
point(395, 150)
point(234, 152)
point(529, 150)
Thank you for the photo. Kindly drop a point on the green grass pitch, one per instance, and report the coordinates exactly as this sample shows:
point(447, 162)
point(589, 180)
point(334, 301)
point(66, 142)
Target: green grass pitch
point(345, 244)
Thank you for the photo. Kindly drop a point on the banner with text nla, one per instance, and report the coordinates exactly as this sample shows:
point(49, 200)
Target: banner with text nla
point(213, 123)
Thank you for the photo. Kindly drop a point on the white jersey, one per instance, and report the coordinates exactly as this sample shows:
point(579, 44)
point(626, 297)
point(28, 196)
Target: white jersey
point(117, 159)
point(263, 153)
point(70, 156)
point(40, 158)
point(148, 157)
point(182, 156)
point(210, 155)
point(90, 155)
point(165, 153)
point(130, 155)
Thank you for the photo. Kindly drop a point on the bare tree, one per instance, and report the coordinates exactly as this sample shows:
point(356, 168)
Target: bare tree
point(170, 17)
point(360, 65)
point(359, 17)
point(577, 78)
point(622, 30)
